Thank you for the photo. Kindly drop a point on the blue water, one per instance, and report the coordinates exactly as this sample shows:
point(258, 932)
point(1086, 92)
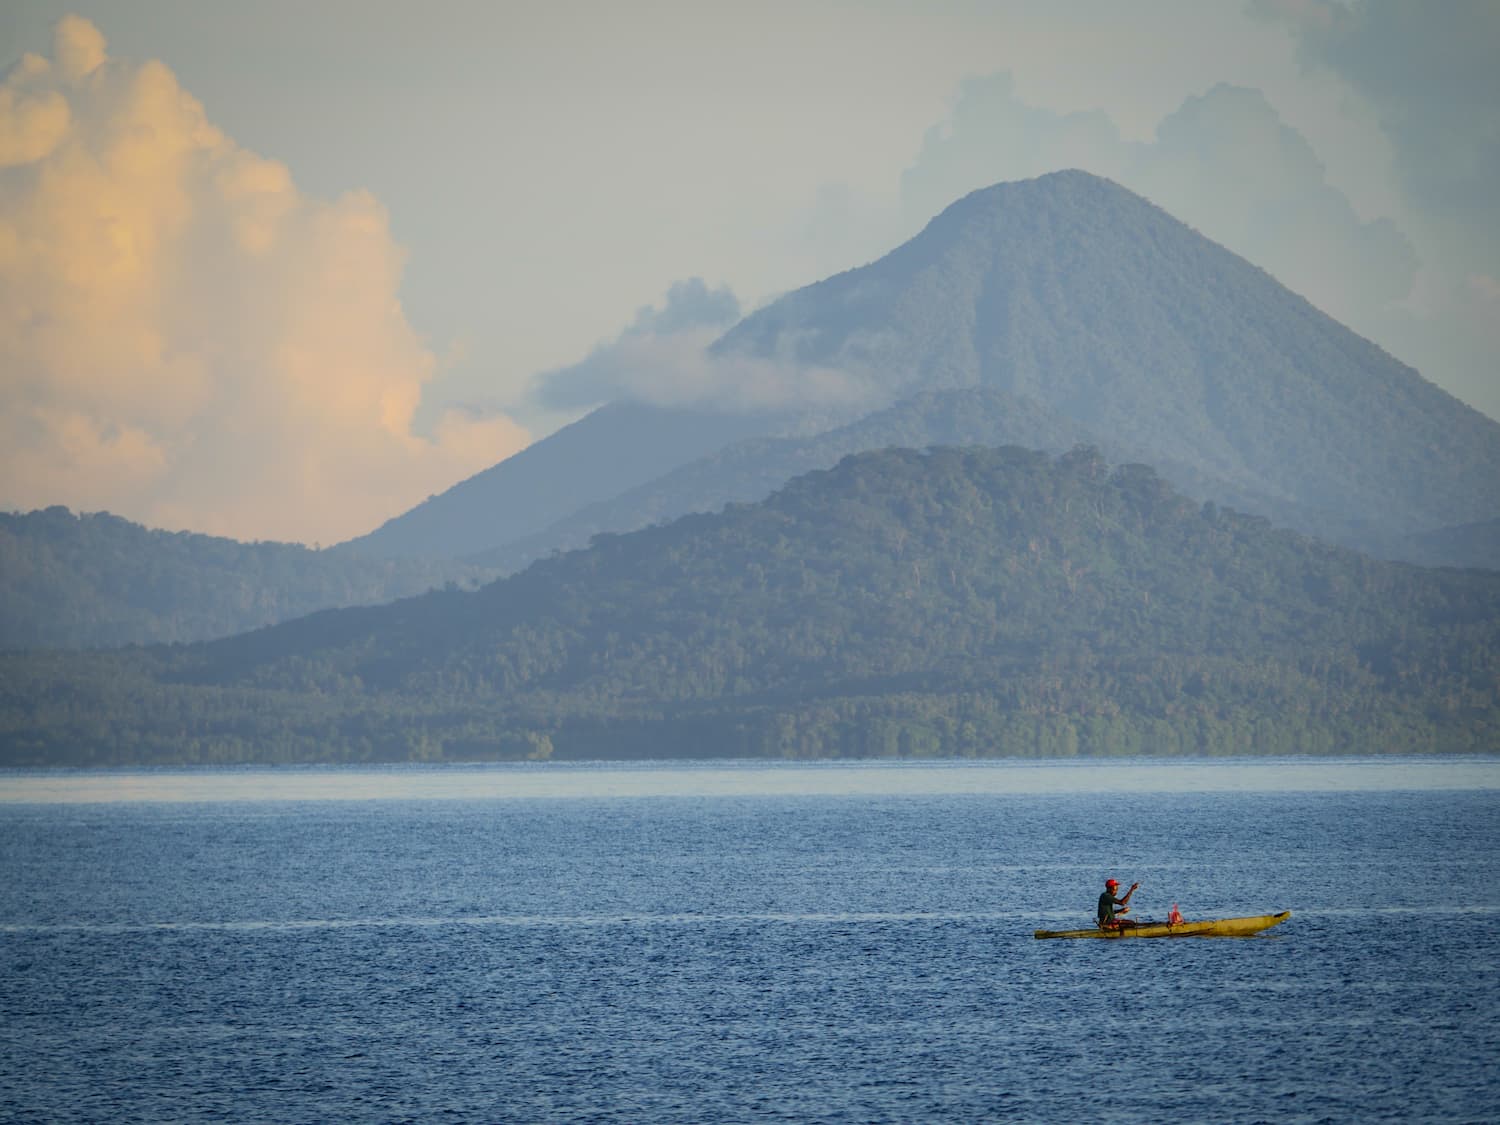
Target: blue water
point(665, 946)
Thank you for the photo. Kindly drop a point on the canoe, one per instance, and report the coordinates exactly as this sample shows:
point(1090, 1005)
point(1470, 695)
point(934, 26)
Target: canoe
point(1217, 927)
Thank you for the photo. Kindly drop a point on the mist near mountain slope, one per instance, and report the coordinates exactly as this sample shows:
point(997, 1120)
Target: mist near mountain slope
point(1048, 313)
point(752, 469)
point(615, 447)
point(1098, 315)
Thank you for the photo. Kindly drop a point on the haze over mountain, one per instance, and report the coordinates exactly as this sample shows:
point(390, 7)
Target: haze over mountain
point(753, 468)
point(1083, 296)
point(613, 448)
point(982, 601)
point(1047, 313)
point(1100, 316)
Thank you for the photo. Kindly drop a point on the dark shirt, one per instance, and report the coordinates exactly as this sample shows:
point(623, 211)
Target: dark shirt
point(1107, 904)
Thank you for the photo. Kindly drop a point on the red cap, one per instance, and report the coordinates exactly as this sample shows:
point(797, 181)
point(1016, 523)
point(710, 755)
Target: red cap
point(1111, 882)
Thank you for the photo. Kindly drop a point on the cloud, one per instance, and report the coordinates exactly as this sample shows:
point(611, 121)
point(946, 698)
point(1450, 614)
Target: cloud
point(991, 135)
point(1431, 76)
point(690, 305)
point(1226, 163)
point(188, 340)
point(664, 358)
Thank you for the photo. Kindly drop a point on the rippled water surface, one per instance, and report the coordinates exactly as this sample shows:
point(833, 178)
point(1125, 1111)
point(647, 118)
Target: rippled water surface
point(740, 943)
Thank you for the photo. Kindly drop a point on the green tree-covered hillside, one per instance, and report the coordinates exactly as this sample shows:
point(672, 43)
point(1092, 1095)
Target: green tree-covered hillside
point(979, 601)
point(96, 580)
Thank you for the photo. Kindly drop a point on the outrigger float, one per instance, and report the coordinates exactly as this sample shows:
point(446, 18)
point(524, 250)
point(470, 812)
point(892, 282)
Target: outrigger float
point(1217, 927)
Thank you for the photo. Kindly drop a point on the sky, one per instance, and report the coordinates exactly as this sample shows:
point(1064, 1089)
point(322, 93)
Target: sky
point(282, 270)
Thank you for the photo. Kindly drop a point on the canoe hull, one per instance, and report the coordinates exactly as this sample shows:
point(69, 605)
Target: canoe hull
point(1218, 927)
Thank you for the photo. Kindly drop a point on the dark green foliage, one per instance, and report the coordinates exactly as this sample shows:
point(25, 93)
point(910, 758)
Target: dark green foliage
point(957, 602)
point(96, 580)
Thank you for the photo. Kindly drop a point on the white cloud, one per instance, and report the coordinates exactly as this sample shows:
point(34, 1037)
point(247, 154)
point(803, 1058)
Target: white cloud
point(1226, 163)
point(991, 135)
point(1432, 79)
point(1429, 77)
point(664, 358)
point(188, 340)
point(680, 370)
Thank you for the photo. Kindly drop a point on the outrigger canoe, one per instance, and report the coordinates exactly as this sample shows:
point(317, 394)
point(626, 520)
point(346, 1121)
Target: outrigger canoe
point(1218, 927)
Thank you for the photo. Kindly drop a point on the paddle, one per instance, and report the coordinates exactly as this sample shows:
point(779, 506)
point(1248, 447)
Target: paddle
point(1125, 909)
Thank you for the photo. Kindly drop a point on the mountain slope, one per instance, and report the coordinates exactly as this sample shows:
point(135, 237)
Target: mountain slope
point(1059, 310)
point(1078, 294)
point(752, 469)
point(960, 602)
point(1091, 309)
point(613, 448)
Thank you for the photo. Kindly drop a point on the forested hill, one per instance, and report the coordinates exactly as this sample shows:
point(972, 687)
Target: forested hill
point(981, 601)
point(96, 580)
point(754, 468)
point(1043, 313)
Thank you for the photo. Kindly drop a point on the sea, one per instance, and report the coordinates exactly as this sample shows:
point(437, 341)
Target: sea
point(806, 942)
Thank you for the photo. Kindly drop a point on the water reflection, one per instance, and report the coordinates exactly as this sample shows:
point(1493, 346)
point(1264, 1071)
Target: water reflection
point(655, 779)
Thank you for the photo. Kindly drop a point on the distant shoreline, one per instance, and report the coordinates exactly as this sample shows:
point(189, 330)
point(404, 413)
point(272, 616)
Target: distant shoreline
point(748, 778)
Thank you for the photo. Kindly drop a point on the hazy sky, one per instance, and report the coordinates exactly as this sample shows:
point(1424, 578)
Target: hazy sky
point(281, 270)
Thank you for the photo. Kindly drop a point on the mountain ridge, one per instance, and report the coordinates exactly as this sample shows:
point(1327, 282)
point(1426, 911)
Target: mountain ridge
point(1102, 310)
point(1163, 342)
point(1045, 313)
point(94, 579)
point(959, 601)
point(516, 497)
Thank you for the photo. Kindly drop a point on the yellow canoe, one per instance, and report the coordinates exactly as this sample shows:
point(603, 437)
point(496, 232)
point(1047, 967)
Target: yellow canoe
point(1218, 927)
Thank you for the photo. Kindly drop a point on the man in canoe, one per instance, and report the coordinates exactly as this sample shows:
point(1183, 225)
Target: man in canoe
point(1110, 907)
